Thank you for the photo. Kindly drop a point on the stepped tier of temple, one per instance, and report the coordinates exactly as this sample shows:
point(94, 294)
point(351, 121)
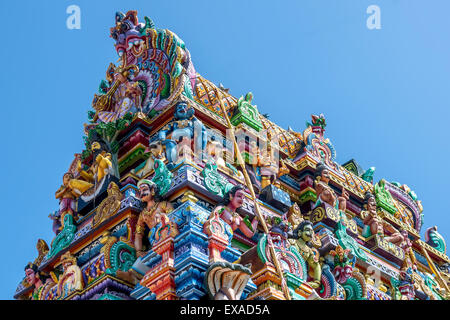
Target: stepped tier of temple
point(184, 191)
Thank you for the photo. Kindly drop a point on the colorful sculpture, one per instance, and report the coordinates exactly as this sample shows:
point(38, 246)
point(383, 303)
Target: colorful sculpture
point(225, 280)
point(101, 166)
point(383, 197)
point(324, 192)
point(109, 206)
point(156, 151)
point(164, 63)
point(214, 181)
point(226, 210)
point(375, 224)
point(294, 216)
point(368, 175)
point(66, 197)
point(247, 113)
point(162, 177)
point(343, 267)
point(303, 235)
point(71, 279)
point(120, 95)
point(296, 235)
point(153, 216)
point(410, 258)
point(184, 125)
point(435, 239)
point(38, 280)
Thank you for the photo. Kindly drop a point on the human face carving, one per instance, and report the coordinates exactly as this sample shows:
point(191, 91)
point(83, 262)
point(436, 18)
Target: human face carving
point(145, 194)
point(371, 203)
point(307, 233)
point(30, 276)
point(181, 111)
point(325, 174)
point(66, 179)
point(238, 199)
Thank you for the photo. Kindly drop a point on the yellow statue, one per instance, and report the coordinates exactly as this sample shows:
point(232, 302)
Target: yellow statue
point(72, 279)
point(100, 167)
point(294, 216)
point(303, 238)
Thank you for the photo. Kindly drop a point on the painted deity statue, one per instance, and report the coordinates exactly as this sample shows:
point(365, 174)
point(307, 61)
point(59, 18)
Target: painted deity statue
point(164, 66)
point(71, 279)
point(294, 216)
point(156, 150)
point(375, 224)
point(40, 281)
point(264, 168)
point(325, 194)
point(303, 236)
point(152, 216)
point(410, 257)
point(184, 126)
point(226, 280)
point(215, 151)
point(226, 210)
point(66, 197)
point(100, 167)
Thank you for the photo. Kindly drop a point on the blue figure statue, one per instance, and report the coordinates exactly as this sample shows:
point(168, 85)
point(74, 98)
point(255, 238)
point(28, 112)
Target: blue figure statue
point(183, 125)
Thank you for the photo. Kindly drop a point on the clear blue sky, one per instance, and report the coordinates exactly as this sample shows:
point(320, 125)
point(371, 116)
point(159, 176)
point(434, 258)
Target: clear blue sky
point(385, 93)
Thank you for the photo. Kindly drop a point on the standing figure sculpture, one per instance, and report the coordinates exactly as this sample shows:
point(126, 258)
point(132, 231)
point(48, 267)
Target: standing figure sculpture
point(184, 126)
point(410, 258)
point(325, 194)
point(302, 239)
point(226, 210)
point(225, 280)
point(152, 216)
point(66, 197)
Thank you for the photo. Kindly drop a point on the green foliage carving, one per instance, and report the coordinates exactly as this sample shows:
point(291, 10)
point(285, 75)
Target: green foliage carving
point(347, 242)
point(247, 113)
point(436, 240)
point(214, 181)
point(122, 257)
point(368, 174)
point(383, 197)
point(163, 177)
point(64, 238)
point(353, 290)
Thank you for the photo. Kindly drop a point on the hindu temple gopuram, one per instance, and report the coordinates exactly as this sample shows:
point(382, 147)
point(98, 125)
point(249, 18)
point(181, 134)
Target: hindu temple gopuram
point(185, 192)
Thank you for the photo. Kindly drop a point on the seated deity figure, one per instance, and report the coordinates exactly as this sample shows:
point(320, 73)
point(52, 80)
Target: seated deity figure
point(100, 167)
point(325, 194)
point(71, 279)
point(303, 236)
point(226, 210)
point(375, 224)
point(152, 216)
